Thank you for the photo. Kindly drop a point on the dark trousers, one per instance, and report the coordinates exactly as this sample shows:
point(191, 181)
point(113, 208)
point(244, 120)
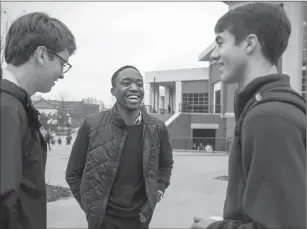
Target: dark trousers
point(113, 222)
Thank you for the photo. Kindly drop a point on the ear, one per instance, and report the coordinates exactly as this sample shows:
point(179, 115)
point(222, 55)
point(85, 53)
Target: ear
point(41, 54)
point(251, 42)
point(113, 91)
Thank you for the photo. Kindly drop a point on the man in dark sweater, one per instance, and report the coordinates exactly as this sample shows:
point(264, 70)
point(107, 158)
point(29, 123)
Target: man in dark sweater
point(267, 162)
point(121, 159)
point(37, 48)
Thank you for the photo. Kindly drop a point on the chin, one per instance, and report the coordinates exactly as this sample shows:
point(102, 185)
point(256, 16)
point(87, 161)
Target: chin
point(228, 79)
point(133, 107)
point(45, 90)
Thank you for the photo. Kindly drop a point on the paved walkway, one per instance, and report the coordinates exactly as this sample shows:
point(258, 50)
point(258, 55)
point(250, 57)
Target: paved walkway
point(193, 191)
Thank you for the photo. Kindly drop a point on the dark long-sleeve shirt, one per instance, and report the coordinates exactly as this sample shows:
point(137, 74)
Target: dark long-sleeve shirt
point(23, 158)
point(267, 170)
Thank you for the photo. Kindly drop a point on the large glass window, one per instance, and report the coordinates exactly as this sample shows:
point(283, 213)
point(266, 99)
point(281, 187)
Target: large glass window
point(195, 103)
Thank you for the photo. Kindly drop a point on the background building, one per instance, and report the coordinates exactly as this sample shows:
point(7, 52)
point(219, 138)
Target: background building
point(293, 61)
point(202, 104)
point(196, 102)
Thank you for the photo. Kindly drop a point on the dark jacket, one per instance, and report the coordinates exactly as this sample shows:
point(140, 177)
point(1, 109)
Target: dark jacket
point(95, 157)
point(23, 158)
point(267, 162)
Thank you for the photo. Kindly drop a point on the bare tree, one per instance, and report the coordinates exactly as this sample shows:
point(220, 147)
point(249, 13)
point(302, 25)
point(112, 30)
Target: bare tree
point(4, 29)
point(5, 24)
point(90, 100)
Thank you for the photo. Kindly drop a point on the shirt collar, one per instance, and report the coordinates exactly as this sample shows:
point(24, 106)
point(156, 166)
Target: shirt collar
point(6, 74)
point(138, 119)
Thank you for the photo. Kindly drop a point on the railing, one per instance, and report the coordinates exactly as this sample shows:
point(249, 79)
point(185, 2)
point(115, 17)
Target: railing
point(150, 109)
point(200, 108)
point(201, 144)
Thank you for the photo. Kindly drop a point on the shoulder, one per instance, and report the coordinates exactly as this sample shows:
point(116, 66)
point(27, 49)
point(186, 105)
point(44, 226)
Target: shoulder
point(13, 107)
point(277, 110)
point(157, 122)
point(94, 120)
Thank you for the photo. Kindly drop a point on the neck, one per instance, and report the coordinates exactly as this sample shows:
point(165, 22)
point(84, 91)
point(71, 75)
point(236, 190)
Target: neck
point(23, 77)
point(128, 116)
point(260, 68)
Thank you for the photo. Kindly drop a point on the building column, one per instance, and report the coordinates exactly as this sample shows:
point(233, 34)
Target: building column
point(155, 103)
point(167, 97)
point(148, 94)
point(174, 100)
point(150, 97)
point(178, 95)
point(293, 56)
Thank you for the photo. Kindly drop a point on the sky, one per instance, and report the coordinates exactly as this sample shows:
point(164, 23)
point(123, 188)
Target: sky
point(152, 36)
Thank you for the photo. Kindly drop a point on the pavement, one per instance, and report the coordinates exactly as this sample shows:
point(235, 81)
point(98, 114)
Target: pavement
point(193, 191)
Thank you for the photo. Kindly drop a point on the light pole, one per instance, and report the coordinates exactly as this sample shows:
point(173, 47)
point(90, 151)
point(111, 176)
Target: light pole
point(154, 108)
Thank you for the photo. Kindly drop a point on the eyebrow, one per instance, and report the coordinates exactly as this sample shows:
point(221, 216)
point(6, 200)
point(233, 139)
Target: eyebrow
point(125, 78)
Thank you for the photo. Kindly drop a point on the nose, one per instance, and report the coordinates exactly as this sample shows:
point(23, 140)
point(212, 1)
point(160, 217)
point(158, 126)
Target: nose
point(133, 87)
point(214, 55)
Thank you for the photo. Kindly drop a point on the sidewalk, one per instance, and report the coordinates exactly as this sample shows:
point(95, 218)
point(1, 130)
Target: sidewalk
point(193, 191)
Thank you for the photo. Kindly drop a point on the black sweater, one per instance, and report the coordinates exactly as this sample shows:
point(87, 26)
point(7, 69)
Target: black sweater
point(267, 172)
point(128, 193)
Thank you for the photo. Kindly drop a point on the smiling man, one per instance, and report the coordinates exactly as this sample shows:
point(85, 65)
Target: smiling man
point(37, 48)
point(267, 161)
point(121, 161)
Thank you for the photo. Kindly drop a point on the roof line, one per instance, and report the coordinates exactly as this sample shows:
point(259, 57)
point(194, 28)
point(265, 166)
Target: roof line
point(45, 101)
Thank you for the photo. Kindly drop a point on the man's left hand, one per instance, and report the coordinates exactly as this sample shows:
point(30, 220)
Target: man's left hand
point(201, 222)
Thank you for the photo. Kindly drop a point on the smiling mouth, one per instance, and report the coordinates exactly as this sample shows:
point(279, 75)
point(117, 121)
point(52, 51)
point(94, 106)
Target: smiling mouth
point(133, 98)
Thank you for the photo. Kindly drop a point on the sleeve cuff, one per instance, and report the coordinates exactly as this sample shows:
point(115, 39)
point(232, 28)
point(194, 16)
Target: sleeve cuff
point(161, 187)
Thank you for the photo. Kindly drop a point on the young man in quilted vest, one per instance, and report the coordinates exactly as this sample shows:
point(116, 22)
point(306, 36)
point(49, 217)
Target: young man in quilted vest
point(121, 161)
point(37, 48)
point(267, 162)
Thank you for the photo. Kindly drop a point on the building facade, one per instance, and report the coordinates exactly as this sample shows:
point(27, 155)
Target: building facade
point(292, 62)
point(203, 107)
point(196, 102)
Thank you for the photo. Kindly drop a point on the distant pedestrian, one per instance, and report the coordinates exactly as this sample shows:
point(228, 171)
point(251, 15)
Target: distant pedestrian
point(48, 139)
point(208, 148)
point(169, 109)
point(201, 147)
point(194, 147)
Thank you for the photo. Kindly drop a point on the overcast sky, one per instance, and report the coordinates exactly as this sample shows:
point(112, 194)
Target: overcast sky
point(150, 35)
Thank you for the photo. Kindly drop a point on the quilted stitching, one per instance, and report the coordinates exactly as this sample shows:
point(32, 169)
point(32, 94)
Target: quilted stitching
point(106, 142)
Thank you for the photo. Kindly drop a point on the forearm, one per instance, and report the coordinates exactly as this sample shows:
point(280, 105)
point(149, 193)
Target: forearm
point(74, 182)
point(11, 166)
point(77, 161)
point(9, 211)
point(164, 177)
point(165, 161)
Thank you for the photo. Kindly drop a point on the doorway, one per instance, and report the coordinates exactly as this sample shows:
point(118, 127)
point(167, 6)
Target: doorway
point(204, 136)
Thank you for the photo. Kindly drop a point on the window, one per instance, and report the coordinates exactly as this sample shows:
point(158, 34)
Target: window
point(195, 103)
point(217, 105)
point(217, 97)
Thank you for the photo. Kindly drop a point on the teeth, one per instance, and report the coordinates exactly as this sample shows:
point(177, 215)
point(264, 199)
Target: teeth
point(132, 97)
